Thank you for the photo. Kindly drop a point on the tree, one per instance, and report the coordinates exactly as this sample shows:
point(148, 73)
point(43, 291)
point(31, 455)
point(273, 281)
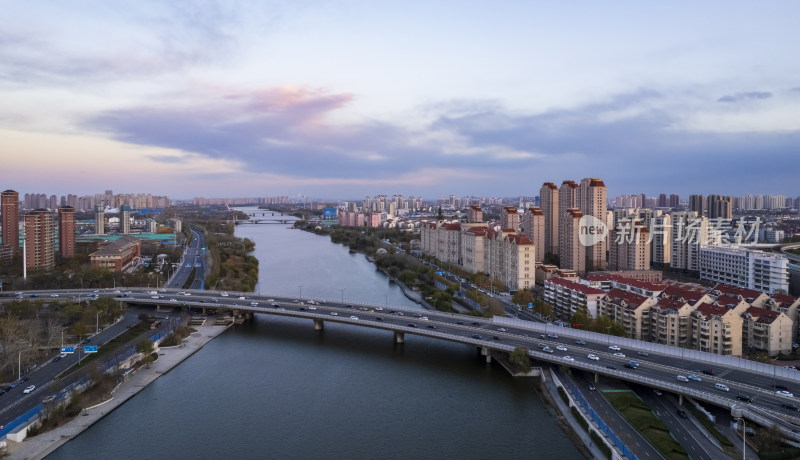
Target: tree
point(144, 346)
point(407, 276)
point(522, 297)
point(519, 360)
point(439, 214)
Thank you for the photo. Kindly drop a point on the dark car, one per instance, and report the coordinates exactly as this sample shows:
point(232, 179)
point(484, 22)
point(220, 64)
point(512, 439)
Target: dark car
point(57, 359)
point(378, 318)
point(349, 306)
point(708, 372)
point(412, 325)
point(86, 340)
point(431, 326)
point(744, 397)
point(460, 323)
point(630, 366)
point(476, 324)
point(613, 368)
point(496, 337)
point(791, 406)
point(682, 413)
point(476, 336)
point(780, 386)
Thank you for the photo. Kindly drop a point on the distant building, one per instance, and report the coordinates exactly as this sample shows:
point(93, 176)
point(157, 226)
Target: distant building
point(99, 220)
point(592, 201)
point(475, 215)
point(534, 228)
point(39, 240)
point(745, 268)
point(572, 253)
point(548, 201)
point(509, 218)
point(125, 220)
point(719, 207)
point(66, 231)
point(117, 255)
point(630, 247)
point(697, 204)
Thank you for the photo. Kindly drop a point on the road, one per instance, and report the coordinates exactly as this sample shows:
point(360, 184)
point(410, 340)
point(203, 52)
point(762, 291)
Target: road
point(193, 258)
point(15, 403)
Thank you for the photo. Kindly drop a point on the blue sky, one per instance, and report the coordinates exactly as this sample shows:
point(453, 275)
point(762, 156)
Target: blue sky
point(344, 99)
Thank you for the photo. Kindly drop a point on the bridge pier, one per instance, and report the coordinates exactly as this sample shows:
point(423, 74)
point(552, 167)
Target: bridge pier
point(680, 399)
point(596, 377)
point(319, 324)
point(485, 352)
point(399, 337)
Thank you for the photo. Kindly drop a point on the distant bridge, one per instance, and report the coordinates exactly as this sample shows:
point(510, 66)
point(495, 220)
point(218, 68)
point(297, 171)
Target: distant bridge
point(264, 221)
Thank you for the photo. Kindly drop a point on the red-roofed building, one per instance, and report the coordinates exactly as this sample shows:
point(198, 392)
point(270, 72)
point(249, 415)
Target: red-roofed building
point(567, 297)
point(789, 306)
point(611, 281)
point(545, 271)
point(629, 309)
point(716, 329)
point(753, 297)
point(518, 262)
point(693, 294)
point(766, 330)
point(670, 321)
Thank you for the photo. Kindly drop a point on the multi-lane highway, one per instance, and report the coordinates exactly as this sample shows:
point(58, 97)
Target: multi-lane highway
point(193, 260)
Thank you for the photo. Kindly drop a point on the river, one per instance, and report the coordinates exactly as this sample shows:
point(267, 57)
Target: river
point(275, 388)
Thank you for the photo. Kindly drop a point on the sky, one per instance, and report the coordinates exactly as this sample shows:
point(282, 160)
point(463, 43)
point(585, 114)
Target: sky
point(342, 99)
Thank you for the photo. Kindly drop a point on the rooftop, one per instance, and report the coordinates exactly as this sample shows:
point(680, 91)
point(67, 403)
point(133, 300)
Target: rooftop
point(582, 288)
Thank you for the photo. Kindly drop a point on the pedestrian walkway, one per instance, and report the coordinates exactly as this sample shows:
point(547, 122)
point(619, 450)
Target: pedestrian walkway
point(40, 446)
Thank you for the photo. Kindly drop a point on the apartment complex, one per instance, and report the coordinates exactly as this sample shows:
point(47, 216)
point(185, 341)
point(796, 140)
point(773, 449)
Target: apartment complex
point(39, 240)
point(509, 218)
point(534, 228)
point(746, 268)
point(572, 254)
point(592, 201)
point(629, 309)
point(117, 255)
point(567, 297)
point(630, 247)
point(716, 329)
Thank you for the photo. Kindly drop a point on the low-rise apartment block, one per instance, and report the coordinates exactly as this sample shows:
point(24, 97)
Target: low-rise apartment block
point(567, 297)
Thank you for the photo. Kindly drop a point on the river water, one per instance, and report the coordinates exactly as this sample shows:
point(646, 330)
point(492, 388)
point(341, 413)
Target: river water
point(275, 388)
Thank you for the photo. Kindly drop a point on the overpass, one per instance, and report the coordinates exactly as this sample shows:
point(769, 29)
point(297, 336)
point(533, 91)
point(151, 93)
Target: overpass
point(659, 365)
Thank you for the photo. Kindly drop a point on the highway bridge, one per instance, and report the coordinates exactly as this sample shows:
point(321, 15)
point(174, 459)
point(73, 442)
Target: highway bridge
point(659, 365)
point(263, 221)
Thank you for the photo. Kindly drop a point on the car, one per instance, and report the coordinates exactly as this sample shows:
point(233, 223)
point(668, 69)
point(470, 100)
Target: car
point(223, 294)
point(378, 308)
point(86, 340)
point(187, 293)
point(460, 323)
point(784, 393)
point(302, 308)
point(552, 336)
point(53, 295)
point(580, 342)
point(642, 353)
point(708, 371)
point(791, 406)
point(780, 386)
point(153, 296)
point(475, 323)
point(354, 317)
point(412, 325)
point(57, 359)
point(721, 387)
point(547, 350)
point(63, 355)
point(333, 313)
point(694, 378)
point(297, 301)
point(173, 300)
point(349, 306)
point(744, 397)
point(496, 337)
point(613, 368)
point(569, 358)
point(682, 413)
point(431, 326)
point(561, 348)
point(630, 366)
point(242, 297)
point(502, 329)
point(476, 336)
point(592, 387)
point(619, 355)
point(378, 318)
point(254, 304)
point(593, 357)
point(312, 307)
point(657, 391)
point(424, 318)
point(48, 399)
point(615, 348)
point(29, 389)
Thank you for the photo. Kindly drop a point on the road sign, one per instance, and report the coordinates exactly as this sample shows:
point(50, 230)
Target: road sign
point(530, 304)
point(67, 349)
point(90, 349)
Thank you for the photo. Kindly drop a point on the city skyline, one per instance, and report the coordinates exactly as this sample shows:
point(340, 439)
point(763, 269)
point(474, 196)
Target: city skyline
point(344, 99)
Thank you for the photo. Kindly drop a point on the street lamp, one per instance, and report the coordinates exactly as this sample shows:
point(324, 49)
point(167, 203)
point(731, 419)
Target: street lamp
point(301, 291)
point(608, 333)
point(744, 437)
point(342, 295)
point(19, 364)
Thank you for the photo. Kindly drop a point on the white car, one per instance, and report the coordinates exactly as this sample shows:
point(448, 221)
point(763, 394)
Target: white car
point(224, 294)
point(354, 317)
point(594, 357)
point(784, 393)
point(29, 389)
point(254, 304)
point(561, 348)
point(53, 295)
point(333, 313)
point(569, 358)
point(615, 348)
point(619, 355)
point(270, 300)
point(312, 308)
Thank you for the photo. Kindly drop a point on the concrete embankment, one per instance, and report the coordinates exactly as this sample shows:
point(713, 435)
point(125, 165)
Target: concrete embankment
point(40, 446)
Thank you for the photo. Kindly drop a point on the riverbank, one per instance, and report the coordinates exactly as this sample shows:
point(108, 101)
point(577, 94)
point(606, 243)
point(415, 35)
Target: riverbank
point(42, 445)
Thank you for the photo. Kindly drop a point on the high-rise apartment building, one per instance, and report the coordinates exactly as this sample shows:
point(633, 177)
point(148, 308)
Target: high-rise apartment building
point(661, 244)
point(697, 203)
point(9, 207)
point(674, 201)
point(125, 220)
point(509, 218)
point(66, 231)
point(719, 207)
point(592, 201)
point(548, 199)
point(567, 199)
point(662, 200)
point(534, 229)
point(475, 214)
point(630, 247)
point(39, 240)
point(572, 253)
point(99, 220)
